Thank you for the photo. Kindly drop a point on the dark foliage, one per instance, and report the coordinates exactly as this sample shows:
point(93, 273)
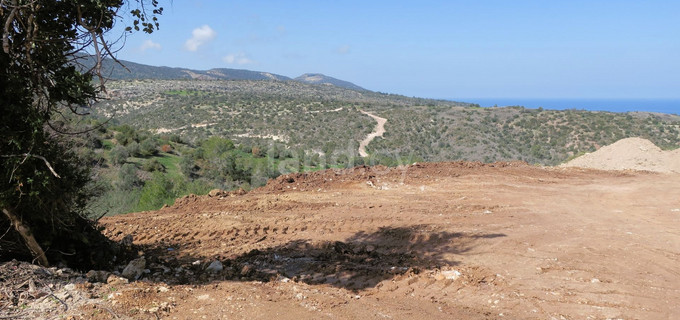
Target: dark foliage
point(42, 180)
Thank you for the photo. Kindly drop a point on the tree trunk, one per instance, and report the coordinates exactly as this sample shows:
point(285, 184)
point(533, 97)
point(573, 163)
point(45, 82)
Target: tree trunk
point(27, 235)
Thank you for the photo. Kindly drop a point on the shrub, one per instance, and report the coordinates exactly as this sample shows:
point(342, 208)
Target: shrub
point(148, 147)
point(119, 155)
point(128, 178)
point(156, 192)
point(153, 165)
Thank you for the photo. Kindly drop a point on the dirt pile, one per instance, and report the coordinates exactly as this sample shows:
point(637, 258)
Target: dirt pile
point(630, 154)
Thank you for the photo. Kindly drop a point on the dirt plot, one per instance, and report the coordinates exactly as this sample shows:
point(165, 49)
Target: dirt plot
point(428, 241)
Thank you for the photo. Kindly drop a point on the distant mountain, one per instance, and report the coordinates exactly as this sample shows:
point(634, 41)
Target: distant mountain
point(317, 78)
point(133, 70)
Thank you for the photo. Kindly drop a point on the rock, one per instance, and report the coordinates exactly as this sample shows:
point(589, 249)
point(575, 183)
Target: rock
point(215, 193)
point(134, 269)
point(97, 275)
point(127, 241)
point(116, 280)
point(451, 274)
point(215, 267)
point(162, 289)
point(246, 270)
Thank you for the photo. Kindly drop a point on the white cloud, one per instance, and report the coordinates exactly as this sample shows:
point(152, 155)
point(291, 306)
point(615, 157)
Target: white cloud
point(148, 44)
point(237, 58)
point(343, 49)
point(199, 37)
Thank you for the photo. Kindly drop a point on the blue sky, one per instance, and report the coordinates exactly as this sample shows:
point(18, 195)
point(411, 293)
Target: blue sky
point(434, 49)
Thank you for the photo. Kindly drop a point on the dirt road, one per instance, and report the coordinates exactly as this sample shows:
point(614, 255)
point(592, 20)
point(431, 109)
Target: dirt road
point(435, 241)
point(378, 132)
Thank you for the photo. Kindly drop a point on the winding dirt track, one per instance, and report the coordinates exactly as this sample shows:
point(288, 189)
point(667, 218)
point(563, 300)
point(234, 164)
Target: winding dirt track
point(436, 241)
point(378, 132)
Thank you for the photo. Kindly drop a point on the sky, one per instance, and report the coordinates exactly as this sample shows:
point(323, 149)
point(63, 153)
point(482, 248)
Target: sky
point(434, 49)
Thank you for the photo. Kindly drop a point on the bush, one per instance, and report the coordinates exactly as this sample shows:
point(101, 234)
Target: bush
point(156, 192)
point(119, 155)
point(153, 165)
point(215, 147)
point(148, 147)
point(133, 149)
point(128, 178)
point(187, 165)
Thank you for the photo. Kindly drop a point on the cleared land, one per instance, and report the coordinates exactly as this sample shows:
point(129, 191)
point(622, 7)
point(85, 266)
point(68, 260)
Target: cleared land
point(459, 240)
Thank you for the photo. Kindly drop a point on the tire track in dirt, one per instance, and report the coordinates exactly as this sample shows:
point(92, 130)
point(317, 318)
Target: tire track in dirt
point(500, 239)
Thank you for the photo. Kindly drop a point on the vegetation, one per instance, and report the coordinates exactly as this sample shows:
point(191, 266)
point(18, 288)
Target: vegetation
point(44, 181)
point(325, 120)
point(135, 181)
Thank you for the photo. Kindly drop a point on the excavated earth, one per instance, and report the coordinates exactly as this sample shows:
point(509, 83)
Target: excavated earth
point(427, 241)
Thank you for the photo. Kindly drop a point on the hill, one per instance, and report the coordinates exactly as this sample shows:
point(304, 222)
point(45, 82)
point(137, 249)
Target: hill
point(329, 120)
point(131, 70)
point(317, 78)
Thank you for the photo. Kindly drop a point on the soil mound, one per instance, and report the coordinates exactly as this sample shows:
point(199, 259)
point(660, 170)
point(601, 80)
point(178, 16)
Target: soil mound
point(630, 154)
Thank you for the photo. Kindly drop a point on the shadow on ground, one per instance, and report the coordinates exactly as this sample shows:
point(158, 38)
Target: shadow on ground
point(361, 261)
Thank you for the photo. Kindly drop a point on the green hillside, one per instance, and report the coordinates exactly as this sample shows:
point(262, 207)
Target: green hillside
point(316, 118)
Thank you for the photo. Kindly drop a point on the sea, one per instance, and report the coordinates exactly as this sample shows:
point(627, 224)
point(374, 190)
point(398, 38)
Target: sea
point(671, 106)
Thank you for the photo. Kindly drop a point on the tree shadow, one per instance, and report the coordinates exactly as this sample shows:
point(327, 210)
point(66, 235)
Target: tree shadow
point(361, 261)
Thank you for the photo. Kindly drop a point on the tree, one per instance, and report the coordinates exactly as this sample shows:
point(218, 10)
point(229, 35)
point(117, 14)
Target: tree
point(42, 182)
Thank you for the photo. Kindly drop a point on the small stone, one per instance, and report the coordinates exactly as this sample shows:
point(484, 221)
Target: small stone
point(116, 280)
point(594, 280)
point(127, 241)
point(70, 287)
point(451, 274)
point(203, 297)
point(246, 270)
point(134, 269)
point(195, 263)
point(97, 275)
point(162, 289)
point(215, 267)
point(215, 193)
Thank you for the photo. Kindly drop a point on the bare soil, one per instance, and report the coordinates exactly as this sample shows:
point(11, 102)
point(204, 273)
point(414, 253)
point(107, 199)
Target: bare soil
point(428, 241)
point(378, 132)
point(630, 154)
